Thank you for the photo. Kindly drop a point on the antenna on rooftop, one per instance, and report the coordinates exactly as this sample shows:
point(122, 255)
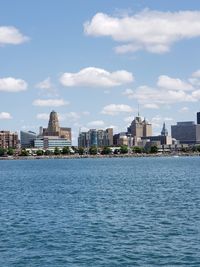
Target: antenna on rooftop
point(138, 110)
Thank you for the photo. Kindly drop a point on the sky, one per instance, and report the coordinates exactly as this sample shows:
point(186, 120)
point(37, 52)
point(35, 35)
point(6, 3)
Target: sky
point(95, 62)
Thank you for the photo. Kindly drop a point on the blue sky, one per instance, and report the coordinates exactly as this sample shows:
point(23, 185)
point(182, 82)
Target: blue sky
point(95, 61)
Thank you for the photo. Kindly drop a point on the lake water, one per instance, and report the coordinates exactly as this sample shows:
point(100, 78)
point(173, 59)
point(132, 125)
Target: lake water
point(100, 212)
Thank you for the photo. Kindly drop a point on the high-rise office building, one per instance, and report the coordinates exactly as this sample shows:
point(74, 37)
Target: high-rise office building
point(186, 132)
point(140, 128)
point(198, 117)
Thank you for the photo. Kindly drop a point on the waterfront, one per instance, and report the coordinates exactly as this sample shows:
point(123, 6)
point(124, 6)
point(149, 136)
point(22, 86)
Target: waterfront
point(100, 212)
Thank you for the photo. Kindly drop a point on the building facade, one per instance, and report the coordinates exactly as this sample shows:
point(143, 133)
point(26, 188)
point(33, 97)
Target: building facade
point(8, 139)
point(27, 139)
point(54, 128)
point(51, 142)
point(186, 132)
point(95, 137)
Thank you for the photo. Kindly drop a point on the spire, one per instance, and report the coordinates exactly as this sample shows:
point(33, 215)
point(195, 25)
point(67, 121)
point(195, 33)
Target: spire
point(138, 110)
point(164, 131)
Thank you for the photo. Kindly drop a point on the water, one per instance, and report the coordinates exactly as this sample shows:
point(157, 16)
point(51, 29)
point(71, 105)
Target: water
point(100, 212)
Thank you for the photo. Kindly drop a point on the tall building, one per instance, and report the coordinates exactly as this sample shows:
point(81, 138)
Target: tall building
point(27, 139)
point(139, 128)
point(95, 137)
point(54, 135)
point(186, 132)
point(54, 128)
point(198, 117)
point(8, 139)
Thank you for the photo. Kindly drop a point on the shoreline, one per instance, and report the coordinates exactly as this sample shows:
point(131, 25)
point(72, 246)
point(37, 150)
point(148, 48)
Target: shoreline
point(100, 156)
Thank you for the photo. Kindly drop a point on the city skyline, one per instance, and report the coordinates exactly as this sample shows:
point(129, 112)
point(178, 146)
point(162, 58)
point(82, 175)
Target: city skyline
point(74, 57)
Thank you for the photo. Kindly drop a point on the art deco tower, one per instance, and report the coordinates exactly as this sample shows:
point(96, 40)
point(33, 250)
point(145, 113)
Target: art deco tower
point(53, 126)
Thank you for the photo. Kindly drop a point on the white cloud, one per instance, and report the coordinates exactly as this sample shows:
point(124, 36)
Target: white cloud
point(169, 83)
point(129, 93)
point(146, 95)
point(96, 123)
point(153, 31)
point(45, 84)
point(50, 102)
point(196, 74)
point(5, 116)
point(96, 77)
point(10, 84)
point(114, 109)
point(11, 35)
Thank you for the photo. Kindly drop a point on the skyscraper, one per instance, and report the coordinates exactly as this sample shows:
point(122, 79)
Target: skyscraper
point(53, 125)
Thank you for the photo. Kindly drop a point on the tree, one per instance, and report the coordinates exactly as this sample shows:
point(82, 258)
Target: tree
point(10, 151)
point(56, 151)
point(2, 151)
point(40, 152)
point(47, 152)
point(93, 150)
point(81, 150)
point(153, 150)
point(65, 150)
point(137, 149)
point(24, 153)
point(106, 150)
point(124, 149)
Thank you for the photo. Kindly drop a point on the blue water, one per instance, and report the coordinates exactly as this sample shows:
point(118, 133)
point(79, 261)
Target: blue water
point(100, 212)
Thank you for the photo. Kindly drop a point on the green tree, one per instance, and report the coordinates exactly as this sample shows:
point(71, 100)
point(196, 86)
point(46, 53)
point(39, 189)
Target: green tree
point(66, 150)
point(137, 149)
point(124, 149)
point(47, 153)
point(10, 151)
point(81, 150)
point(56, 151)
point(40, 152)
point(153, 150)
point(24, 153)
point(2, 151)
point(106, 150)
point(93, 150)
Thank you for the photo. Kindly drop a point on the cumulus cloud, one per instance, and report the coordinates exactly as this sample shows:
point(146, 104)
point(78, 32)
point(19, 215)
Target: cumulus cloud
point(96, 77)
point(153, 31)
point(151, 106)
point(169, 83)
point(129, 93)
point(45, 84)
point(50, 102)
point(11, 35)
point(114, 109)
point(5, 116)
point(10, 84)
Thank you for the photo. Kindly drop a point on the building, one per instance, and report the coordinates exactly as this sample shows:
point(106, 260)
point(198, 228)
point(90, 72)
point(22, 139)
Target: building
point(139, 128)
point(163, 139)
point(8, 139)
point(27, 139)
point(95, 137)
point(54, 128)
point(198, 117)
point(51, 142)
point(186, 132)
point(123, 139)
